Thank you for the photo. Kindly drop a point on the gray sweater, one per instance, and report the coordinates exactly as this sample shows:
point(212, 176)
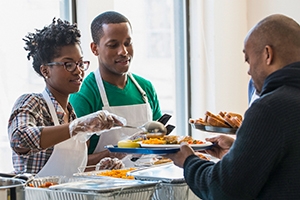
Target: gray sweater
point(264, 161)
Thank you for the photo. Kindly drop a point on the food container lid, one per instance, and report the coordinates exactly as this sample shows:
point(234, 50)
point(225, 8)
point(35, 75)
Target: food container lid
point(167, 173)
point(6, 183)
point(103, 185)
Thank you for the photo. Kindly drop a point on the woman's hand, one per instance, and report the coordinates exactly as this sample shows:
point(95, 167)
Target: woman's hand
point(94, 122)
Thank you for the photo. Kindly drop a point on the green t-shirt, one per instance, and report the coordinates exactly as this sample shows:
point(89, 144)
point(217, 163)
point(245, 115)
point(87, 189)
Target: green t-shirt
point(87, 100)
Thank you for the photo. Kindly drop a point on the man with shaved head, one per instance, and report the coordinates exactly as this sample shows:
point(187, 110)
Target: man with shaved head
point(264, 160)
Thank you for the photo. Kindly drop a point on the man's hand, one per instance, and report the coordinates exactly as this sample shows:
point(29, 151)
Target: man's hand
point(180, 157)
point(222, 144)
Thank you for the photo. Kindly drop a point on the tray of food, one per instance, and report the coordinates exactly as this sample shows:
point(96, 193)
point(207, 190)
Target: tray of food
point(161, 146)
point(140, 150)
point(79, 188)
point(194, 146)
point(214, 128)
point(224, 122)
point(37, 188)
point(114, 173)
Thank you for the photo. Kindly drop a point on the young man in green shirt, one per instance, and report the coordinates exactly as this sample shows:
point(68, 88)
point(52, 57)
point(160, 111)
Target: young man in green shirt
point(111, 86)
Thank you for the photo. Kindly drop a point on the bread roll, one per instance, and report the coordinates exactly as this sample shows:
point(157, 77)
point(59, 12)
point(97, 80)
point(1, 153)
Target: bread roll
point(235, 115)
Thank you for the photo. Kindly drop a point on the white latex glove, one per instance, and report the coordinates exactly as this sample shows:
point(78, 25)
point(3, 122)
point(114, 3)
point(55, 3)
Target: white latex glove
point(82, 128)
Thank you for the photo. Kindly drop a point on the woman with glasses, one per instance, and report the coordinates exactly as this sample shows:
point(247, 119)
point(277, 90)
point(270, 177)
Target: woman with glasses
point(45, 136)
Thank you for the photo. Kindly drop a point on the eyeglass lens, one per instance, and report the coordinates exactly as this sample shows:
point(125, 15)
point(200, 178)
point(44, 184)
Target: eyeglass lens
point(71, 66)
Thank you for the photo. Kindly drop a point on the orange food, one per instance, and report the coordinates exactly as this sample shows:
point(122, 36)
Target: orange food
point(162, 161)
point(172, 139)
point(200, 155)
point(195, 142)
point(47, 184)
point(154, 141)
point(117, 173)
point(44, 185)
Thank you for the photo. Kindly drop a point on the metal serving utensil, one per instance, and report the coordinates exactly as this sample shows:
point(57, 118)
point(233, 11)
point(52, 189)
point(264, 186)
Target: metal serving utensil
point(151, 127)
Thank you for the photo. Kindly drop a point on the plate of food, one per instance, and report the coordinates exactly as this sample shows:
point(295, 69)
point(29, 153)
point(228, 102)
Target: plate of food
point(215, 129)
point(140, 150)
point(224, 122)
point(204, 145)
point(173, 141)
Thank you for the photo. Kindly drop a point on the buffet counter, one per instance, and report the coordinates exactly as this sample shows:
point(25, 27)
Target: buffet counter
point(162, 182)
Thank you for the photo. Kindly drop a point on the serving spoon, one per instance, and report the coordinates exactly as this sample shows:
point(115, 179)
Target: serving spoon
point(151, 127)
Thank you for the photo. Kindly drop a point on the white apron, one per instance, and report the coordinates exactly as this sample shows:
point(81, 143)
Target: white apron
point(135, 115)
point(67, 156)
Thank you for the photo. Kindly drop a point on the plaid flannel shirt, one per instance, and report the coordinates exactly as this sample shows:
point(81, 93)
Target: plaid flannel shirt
point(29, 115)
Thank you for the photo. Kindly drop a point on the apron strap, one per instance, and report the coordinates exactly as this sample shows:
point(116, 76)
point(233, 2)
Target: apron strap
point(144, 95)
point(101, 87)
point(103, 93)
point(51, 107)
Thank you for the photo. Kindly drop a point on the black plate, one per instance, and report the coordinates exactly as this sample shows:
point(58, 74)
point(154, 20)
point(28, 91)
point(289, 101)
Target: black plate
point(214, 128)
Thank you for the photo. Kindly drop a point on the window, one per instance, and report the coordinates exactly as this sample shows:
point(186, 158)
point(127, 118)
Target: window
point(159, 45)
point(160, 52)
point(159, 40)
point(17, 18)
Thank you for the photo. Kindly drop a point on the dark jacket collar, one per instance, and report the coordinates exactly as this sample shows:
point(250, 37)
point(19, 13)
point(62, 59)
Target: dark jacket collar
point(288, 75)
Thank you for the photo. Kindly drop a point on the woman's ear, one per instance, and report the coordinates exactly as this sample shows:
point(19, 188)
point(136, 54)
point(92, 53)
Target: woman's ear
point(94, 48)
point(45, 71)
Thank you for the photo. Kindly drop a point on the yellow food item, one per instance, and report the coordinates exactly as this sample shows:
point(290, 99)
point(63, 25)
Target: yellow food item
point(128, 144)
point(118, 173)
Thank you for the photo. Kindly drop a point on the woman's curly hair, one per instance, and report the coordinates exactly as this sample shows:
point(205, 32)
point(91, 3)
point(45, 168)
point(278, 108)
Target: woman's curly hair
point(44, 45)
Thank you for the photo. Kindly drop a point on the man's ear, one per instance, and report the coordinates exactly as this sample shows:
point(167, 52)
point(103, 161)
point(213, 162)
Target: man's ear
point(269, 54)
point(94, 48)
point(45, 71)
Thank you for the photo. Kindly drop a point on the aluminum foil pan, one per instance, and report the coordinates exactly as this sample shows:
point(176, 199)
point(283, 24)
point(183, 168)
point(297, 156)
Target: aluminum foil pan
point(34, 192)
point(166, 173)
point(107, 189)
point(78, 188)
point(171, 191)
point(172, 185)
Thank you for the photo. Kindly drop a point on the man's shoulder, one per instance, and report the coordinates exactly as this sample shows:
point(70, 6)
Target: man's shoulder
point(89, 84)
point(89, 78)
point(86, 93)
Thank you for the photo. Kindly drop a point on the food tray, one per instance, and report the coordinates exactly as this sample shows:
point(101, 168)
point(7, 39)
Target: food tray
point(174, 191)
point(214, 128)
point(36, 193)
point(94, 174)
point(91, 189)
point(205, 145)
point(158, 151)
point(108, 189)
point(172, 185)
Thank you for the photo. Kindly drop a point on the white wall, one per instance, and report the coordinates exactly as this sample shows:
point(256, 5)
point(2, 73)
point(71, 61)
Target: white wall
point(258, 9)
point(217, 28)
point(219, 73)
point(87, 10)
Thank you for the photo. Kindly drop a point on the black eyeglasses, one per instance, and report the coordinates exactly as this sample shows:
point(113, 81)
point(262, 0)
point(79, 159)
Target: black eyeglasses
point(71, 66)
